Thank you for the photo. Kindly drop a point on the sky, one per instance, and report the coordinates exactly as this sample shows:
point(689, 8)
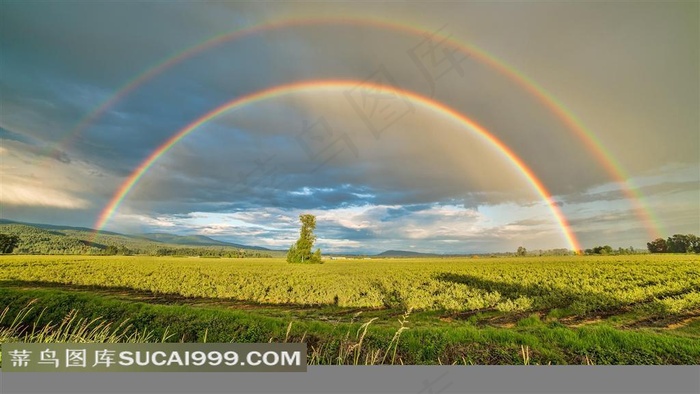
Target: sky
point(389, 168)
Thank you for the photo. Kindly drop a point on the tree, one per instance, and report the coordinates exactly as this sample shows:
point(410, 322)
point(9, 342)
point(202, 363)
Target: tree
point(680, 243)
point(8, 243)
point(694, 243)
point(300, 252)
point(521, 251)
point(657, 246)
point(604, 250)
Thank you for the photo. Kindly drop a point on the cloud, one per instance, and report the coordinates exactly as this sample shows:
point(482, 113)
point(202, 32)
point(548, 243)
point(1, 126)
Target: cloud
point(21, 188)
point(621, 227)
point(14, 193)
point(360, 229)
point(29, 181)
point(658, 189)
point(529, 222)
point(9, 135)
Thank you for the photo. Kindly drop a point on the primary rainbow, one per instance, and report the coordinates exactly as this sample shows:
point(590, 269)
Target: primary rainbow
point(589, 139)
point(305, 86)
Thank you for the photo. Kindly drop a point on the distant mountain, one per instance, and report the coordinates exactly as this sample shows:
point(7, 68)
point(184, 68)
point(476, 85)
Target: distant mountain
point(194, 240)
point(405, 253)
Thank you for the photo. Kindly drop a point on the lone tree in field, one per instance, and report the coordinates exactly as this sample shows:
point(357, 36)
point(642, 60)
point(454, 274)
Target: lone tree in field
point(300, 252)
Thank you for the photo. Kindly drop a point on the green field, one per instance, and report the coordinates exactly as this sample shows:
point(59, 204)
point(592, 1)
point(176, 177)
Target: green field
point(638, 309)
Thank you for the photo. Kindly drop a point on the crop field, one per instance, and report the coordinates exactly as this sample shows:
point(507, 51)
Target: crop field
point(637, 309)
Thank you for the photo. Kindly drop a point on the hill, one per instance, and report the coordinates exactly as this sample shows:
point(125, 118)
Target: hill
point(51, 239)
point(194, 240)
point(55, 227)
point(405, 253)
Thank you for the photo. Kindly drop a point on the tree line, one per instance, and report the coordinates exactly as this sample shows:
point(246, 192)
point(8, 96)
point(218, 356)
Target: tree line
point(605, 250)
point(602, 250)
point(678, 243)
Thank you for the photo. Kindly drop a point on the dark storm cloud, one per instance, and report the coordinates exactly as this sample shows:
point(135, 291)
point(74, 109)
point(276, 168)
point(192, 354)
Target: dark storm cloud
point(60, 62)
point(156, 110)
point(150, 114)
point(100, 43)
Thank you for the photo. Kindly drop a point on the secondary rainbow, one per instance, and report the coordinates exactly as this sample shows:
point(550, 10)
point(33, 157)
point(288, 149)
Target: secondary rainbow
point(589, 139)
point(305, 86)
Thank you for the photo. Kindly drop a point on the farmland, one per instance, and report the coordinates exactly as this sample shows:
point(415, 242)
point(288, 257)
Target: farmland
point(603, 309)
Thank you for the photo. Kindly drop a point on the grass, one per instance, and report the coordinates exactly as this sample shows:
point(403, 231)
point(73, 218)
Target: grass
point(23, 327)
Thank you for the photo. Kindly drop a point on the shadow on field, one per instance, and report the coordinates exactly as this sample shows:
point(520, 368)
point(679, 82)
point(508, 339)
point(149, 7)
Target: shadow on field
point(577, 308)
point(544, 298)
point(92, 244)
point(135, 295)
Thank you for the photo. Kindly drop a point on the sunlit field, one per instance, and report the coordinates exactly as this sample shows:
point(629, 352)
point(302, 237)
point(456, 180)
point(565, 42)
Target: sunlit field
point(638, 309)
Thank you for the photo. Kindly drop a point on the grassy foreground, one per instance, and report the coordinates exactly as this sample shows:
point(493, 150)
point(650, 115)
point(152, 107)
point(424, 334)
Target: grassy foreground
point(61, 316)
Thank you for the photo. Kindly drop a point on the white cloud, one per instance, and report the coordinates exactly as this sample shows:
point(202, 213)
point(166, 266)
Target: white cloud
point(13, 192)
